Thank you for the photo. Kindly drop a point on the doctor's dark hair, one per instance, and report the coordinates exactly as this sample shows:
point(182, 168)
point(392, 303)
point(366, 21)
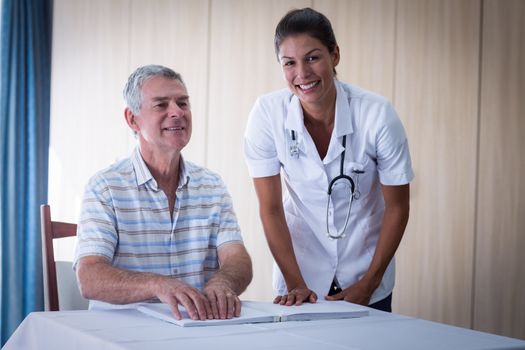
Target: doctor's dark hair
point(133, 88)
point(305, 21)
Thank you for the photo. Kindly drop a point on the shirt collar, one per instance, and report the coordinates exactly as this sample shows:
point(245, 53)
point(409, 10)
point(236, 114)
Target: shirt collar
point(144, 175)
point(184, 172)
point(141, 169)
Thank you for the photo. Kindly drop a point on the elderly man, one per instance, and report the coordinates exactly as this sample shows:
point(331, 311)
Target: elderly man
point(155, 226)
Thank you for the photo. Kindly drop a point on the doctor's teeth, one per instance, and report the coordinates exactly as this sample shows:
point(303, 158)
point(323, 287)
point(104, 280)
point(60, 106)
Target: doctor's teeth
point(308, 86)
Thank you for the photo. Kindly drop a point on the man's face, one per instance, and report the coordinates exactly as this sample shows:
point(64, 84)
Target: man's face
point(163, 123)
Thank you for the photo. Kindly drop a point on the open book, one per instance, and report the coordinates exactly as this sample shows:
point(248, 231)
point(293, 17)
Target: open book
point(263, 312)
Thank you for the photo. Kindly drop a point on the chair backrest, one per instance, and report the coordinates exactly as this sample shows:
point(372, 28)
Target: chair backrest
point(51, 230)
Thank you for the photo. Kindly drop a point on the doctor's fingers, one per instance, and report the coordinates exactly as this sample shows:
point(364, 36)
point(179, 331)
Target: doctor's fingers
point(357, 299)
point(284, 299)
point(312, 298)
point(302, 295)
point(290, 299)
point(339, 296)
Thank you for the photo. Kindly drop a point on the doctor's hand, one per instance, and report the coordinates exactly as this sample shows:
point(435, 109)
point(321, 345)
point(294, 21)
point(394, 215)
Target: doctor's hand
point(359, 293)
point(296, 296)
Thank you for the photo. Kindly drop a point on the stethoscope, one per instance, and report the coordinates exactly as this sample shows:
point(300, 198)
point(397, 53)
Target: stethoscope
point(354, 186)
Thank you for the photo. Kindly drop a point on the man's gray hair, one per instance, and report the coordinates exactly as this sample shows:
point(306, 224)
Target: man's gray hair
point(133, 88)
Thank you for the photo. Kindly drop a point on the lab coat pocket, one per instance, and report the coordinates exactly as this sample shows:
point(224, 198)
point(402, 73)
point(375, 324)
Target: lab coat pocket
point(363, 174)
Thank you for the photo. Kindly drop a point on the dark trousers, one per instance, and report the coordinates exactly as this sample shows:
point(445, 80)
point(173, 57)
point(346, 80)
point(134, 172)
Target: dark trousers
point(383, 305)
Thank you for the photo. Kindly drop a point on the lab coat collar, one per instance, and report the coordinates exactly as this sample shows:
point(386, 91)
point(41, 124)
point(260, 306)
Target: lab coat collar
point(343, 124)
point(295, 122)
point(294, 118)
point(343, 120)
point(343, 113)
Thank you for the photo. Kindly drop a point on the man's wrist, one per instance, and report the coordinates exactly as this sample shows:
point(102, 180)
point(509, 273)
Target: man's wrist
point(220, 281)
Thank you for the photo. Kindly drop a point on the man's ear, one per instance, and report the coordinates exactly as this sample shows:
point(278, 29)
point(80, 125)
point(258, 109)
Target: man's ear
point(131, 120)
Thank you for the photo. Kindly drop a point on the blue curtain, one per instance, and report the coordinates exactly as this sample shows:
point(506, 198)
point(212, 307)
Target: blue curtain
point(24, 141)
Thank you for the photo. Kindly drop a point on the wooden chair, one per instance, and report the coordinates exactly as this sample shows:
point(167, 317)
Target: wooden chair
point(51, 230)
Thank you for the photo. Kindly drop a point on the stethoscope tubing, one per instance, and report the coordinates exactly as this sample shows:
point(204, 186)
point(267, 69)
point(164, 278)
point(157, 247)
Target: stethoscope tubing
point(354, 193)
point(341, 176)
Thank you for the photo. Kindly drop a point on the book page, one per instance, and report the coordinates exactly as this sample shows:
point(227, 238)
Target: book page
point(321, 310)
point(262, 312)
point(163, 312)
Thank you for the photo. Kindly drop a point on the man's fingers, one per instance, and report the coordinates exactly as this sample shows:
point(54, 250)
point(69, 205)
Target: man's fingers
point(222, 304)
point(212, 297)
point(174, 306)
point(230, 302)
point(190, 307)
point(277, 299)
point(200, 303)
point(237, 306)
point(209, 311)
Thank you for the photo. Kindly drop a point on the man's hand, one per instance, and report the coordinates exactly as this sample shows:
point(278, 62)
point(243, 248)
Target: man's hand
point(174, 292)
point(234, 275)
point(296, 296)
point(359, 293)
point(224, 302)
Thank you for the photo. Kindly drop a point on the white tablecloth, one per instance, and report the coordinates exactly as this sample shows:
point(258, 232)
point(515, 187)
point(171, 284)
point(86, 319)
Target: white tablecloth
point(130, 329)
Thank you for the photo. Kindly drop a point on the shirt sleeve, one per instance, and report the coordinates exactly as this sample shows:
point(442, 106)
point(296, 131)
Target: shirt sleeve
point(393, 155)
point(260, 152)
point(229, 230)
point(96, 231)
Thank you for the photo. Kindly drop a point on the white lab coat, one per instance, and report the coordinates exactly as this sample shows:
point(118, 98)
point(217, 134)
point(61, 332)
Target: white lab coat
point(375, 142)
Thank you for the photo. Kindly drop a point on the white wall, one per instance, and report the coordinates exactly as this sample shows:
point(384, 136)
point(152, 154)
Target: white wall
point(436, 60)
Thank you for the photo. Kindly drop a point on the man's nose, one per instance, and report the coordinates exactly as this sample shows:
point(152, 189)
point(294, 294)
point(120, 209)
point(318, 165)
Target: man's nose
point(175, 111)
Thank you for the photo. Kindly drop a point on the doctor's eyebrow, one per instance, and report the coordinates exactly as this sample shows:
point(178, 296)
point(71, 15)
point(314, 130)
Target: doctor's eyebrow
point(306, 54)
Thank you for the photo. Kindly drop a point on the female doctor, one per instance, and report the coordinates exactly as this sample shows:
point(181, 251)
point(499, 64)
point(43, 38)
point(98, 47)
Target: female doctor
point(346, 165)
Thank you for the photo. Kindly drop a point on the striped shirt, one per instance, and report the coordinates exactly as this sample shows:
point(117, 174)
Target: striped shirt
point(125, 218)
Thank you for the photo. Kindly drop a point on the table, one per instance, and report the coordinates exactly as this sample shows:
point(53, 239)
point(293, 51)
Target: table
point(130, 329)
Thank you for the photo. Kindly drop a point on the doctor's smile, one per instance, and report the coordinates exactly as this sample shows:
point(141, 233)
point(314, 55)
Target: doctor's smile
point(308, 87)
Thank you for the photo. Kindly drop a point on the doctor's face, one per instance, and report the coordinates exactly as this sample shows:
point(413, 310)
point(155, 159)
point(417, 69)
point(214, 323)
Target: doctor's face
point(163, 123)
point(308, 68)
